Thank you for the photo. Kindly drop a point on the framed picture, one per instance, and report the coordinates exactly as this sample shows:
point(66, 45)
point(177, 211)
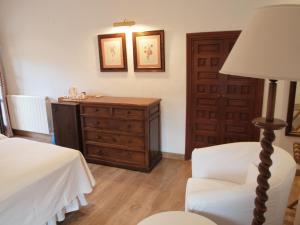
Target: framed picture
point(112, 52)
point(149, 51)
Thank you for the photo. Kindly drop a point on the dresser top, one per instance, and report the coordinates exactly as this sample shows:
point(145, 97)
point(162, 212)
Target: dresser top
point(117, 100)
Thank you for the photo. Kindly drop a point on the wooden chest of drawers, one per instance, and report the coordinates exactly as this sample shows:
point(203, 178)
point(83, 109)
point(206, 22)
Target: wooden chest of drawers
point(122, 132)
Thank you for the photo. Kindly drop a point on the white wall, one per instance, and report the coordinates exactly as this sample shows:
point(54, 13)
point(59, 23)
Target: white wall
point(49, 45)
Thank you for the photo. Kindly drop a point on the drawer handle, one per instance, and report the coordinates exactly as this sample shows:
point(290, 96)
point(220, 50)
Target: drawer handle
point(128, 112)
point(99, 137)
point(114, 140)
point(96, 110)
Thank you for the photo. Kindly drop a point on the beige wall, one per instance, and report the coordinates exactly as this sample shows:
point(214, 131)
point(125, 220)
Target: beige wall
point(49, 45)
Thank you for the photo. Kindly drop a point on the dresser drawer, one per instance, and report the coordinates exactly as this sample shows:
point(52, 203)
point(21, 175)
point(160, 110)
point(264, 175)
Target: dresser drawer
point(115, 155)
point(96, 110)
point(127, 141)
point(127, 113)
point(114, 125)
point(113, 112)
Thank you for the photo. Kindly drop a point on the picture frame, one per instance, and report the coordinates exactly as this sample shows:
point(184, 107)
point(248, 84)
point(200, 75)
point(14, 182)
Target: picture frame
point(149, 51)
point(112, 52)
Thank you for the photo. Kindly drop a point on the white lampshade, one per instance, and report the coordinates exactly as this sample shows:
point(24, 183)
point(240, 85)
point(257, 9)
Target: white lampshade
point(269, 46)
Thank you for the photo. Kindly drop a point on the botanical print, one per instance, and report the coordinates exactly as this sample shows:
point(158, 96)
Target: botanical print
point(112, 52)
point(148, 51)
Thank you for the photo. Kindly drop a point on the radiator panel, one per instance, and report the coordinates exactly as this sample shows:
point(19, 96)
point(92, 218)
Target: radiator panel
point(29, 113)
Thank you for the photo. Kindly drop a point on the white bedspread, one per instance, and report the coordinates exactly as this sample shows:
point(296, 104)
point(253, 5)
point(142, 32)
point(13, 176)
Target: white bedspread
point(38, 180)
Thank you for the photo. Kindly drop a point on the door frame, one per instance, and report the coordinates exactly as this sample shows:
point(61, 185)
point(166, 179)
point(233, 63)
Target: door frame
point(2, 125)
point(189, 52)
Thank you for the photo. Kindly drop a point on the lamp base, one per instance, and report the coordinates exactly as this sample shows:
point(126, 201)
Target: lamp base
point(264, 166)
point(263, 123)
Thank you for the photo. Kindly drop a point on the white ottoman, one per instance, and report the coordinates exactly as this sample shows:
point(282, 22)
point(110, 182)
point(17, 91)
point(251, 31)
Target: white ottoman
point(176, 218)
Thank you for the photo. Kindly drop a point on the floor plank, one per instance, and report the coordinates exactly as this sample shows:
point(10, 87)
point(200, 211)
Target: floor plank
point(124, 197)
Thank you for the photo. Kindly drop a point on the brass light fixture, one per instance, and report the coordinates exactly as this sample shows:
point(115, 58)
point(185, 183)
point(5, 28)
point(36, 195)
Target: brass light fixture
point(124, 23)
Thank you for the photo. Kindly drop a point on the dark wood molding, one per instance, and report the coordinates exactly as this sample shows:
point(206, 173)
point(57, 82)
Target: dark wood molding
point(170, 155)
point(103, 36)
point(32, 136)
point(290, 112)
point(162, 50)
point(228, 37)
point(2, 126)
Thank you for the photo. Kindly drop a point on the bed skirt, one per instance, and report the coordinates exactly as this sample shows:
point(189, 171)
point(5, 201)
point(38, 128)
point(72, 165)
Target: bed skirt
point(75, 205)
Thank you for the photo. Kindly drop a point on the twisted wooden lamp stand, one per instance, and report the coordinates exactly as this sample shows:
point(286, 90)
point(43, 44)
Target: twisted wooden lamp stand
point(269, 124)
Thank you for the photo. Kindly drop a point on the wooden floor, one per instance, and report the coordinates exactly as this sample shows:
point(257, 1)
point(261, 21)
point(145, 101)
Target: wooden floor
point(124, 197)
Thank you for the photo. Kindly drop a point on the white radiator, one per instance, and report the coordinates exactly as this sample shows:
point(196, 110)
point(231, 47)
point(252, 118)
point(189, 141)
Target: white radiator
point(29, 113)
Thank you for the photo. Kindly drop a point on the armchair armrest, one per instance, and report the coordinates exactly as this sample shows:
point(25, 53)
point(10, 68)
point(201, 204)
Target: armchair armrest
point(230, 206)
point(228, 162)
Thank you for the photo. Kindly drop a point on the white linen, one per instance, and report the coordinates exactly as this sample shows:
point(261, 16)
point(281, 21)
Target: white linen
point(2, 136)
point(219, 188)
point(39, 180)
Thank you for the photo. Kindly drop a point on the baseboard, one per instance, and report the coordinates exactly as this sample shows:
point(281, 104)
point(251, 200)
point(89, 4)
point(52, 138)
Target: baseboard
point(169, 155)
point(33, 136)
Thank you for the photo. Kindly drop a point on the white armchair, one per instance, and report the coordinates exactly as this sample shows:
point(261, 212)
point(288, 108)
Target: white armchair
point(223, 183)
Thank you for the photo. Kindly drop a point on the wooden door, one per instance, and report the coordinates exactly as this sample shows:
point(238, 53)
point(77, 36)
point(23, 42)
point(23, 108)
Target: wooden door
point(220, 108)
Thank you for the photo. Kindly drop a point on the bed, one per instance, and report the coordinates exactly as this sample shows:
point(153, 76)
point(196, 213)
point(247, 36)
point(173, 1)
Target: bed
point(40, 182)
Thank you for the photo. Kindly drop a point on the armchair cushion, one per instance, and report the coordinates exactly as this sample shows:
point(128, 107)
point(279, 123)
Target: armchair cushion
point(229, 162)
point(199, 188)
point(252, 174)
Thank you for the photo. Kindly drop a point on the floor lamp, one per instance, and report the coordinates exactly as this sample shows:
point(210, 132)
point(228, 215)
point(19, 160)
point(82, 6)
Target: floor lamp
point(268, 48)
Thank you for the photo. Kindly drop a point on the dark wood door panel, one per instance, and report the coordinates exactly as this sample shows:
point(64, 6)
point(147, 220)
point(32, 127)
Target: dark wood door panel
point(219, 107)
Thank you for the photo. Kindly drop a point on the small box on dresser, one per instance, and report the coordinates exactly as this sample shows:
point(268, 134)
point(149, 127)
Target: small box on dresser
point(122, 132)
